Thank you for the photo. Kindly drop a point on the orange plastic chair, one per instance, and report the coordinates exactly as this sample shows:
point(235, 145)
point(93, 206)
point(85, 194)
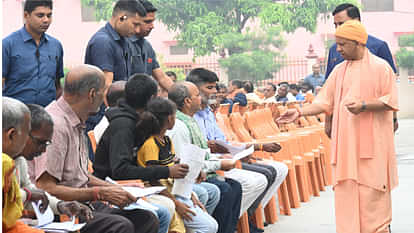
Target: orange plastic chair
point(91, 136)
point(224, 109)
point(244, 136)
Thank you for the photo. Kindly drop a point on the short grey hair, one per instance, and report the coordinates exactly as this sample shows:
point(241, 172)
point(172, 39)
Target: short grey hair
point(178, 93)
point(80, 86)
point(39, 116)
point(13, 113)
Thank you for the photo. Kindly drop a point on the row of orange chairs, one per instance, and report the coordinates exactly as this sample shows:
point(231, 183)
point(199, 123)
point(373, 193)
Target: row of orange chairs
point(304, 144)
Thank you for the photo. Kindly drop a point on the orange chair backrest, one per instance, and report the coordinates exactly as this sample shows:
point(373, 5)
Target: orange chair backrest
point(237, 123)
point(228, 132)
point(224, 109)
point(235, 107)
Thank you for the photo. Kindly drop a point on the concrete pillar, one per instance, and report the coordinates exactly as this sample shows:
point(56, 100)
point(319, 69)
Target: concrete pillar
point(311, 58)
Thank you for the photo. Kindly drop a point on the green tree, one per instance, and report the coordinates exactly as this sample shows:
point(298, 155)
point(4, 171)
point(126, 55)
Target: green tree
point(405, 56)
point(222, 26)
point(103, 8)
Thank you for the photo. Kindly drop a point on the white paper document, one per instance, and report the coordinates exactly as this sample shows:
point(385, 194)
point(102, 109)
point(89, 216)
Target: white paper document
point(233, 149)
point(243, 153)
point(45, 220)
point(141, 204)
point(193, 156)
point(143, 192)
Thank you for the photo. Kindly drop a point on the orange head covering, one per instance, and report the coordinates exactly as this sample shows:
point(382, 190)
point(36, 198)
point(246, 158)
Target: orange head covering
point(352, 30)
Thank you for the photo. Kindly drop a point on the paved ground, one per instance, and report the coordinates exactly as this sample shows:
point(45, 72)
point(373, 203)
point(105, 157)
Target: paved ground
point(317, 216)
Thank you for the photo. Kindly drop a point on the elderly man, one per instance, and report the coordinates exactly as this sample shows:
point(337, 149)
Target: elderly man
point(282, 93)
point(62, 170)
point(186, 131)
point(40, 137)
point(361, 94)
point(115, 93)
point(274, 172)
point(269, 93)
point(16, 128)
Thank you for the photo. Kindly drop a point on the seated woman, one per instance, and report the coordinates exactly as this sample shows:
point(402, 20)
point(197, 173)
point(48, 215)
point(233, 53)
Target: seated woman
point(157, 150)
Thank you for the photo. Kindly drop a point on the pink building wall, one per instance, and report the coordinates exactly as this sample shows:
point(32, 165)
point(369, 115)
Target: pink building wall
point(67, 26)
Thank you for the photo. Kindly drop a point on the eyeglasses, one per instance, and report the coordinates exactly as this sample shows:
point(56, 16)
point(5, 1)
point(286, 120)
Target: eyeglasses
point(40, 142)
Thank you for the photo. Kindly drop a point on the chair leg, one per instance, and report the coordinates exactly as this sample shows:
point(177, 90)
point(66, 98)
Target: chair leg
point(271, 211)
point(323, 165)
point(313, 178)
point(318, 170)
point(284, 200)
point(243, 224)
point(258, 217)
point(292, 188)
point(301, 179)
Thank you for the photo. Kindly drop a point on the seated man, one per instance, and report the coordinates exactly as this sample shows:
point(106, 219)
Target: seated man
point(115, 92)
point(237, 93)
point(157, 150)
point(282, 92)
point(275, 172)
point(187, 98)
point(270, 93)
point(40, 137)
point(115, 152)
point(251, 95)
point(222, 93)
point(16, 128)
point(62, 170)
point(295, 91)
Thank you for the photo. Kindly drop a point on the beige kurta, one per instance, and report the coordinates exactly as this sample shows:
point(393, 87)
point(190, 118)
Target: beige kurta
point(363, 144)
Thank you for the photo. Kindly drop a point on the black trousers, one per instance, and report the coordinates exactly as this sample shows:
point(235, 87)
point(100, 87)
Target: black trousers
point(113, 220)
point(266, 170)
point(227, 211)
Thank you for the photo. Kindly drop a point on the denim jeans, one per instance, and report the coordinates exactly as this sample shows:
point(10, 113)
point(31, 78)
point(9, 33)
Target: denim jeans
point(208, 194)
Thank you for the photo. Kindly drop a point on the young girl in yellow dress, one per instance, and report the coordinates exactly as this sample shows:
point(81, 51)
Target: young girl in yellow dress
point(157, 150)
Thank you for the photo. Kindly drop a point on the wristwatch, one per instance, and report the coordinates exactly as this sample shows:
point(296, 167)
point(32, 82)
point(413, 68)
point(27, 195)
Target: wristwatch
point(364, 106)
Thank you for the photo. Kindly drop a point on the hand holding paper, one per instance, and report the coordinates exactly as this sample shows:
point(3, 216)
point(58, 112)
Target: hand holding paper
point(193, 156)
point(45, 220)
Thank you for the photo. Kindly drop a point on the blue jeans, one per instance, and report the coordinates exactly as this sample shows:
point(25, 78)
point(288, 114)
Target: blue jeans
point(208, 194)
point(227, 211)
point(164, 217)
point(202, 222)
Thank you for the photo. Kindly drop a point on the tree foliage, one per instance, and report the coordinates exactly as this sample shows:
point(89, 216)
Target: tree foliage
point(405, 56)
point(103, 8)
point(236, 27)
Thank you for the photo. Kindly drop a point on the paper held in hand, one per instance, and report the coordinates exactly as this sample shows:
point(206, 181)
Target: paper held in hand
point(233, 149)
point(243, 153)
point(193, 156)
point(45, 220)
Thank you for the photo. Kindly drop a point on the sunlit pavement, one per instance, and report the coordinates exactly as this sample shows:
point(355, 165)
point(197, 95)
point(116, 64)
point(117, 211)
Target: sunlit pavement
point(317, 216)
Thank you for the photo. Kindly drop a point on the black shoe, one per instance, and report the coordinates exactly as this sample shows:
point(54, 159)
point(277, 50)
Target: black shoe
point(254, 229)
point(265, 224)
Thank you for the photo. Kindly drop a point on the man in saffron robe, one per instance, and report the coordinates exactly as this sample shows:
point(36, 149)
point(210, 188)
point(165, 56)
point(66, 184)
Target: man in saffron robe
point(361, 94)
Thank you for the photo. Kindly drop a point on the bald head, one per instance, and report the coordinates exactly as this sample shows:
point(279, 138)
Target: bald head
point(115, 92)
point(81, 79)
point(316, 69)
point(186, 96)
